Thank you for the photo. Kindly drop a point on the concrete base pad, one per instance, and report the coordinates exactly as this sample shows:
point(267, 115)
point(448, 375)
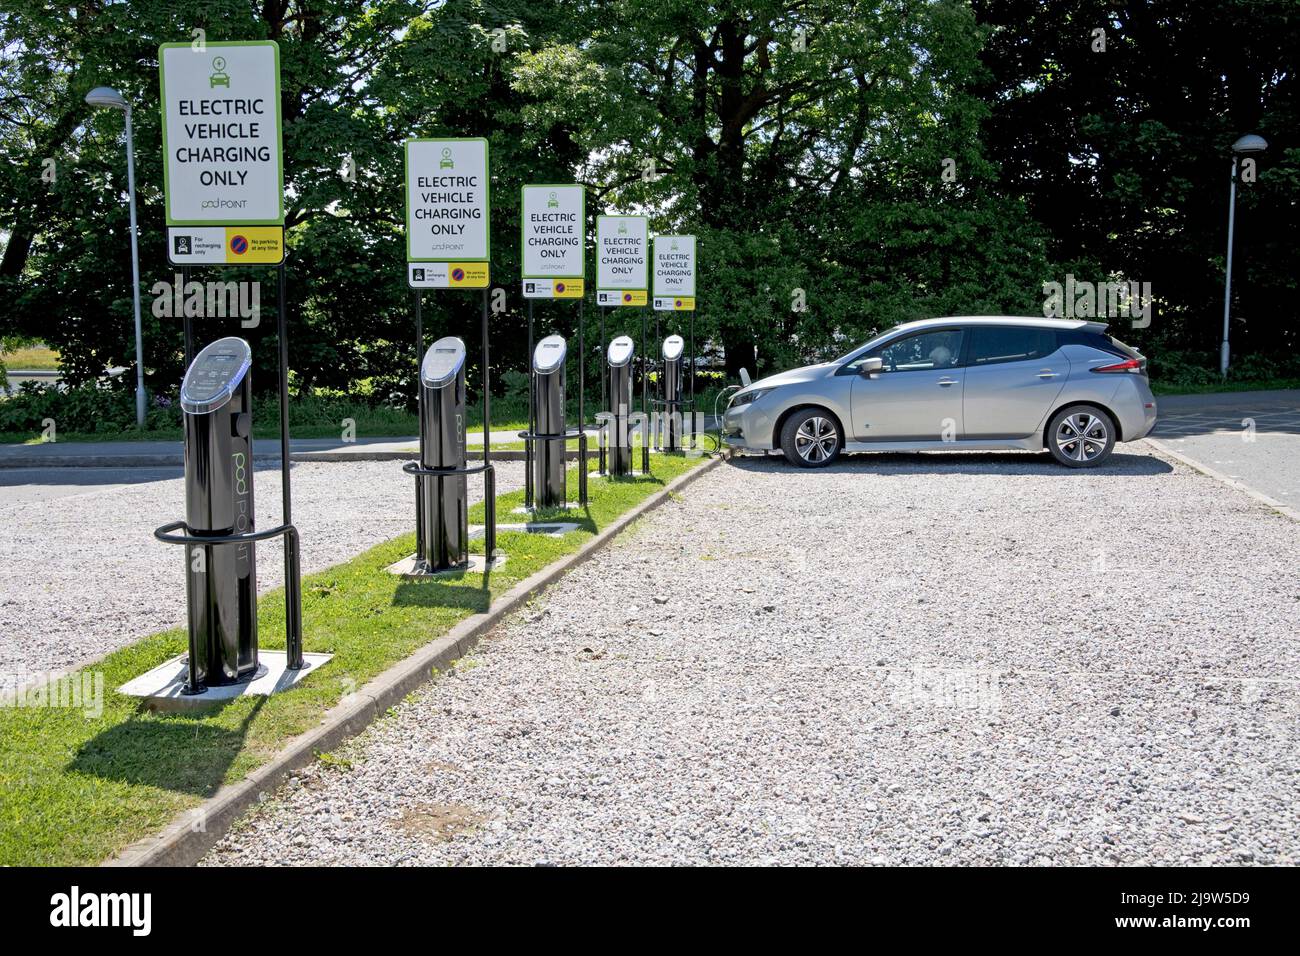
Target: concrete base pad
point(552, 529)
point(477, 564)
point(567, 506)
point(161, 687)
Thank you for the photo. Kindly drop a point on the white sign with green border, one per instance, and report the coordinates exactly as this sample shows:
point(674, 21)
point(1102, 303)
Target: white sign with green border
point(622, 260)
point(553, 231)
point(447, 200)
point(223, 156)
point(674, 273)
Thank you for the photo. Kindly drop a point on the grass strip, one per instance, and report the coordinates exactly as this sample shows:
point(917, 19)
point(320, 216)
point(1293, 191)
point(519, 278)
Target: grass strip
point(76, 788)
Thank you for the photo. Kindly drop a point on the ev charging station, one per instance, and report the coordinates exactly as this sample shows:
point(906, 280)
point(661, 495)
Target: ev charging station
point(674, 291)
point(622, 279)
point(553, 260)
point(221, 587)
point(448, 247)
point(549, 485)
point(619, 360)
point(442, 513)
point(670, 389)
point(218, 532)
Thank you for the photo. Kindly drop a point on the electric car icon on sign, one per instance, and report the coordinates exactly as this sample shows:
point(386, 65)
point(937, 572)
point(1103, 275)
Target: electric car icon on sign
point(219, 76)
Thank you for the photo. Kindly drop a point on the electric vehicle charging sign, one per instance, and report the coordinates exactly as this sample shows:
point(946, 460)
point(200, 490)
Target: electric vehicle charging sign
point(674, 273)
point(447, 220)
point(223, 166)
point(622, 260)
point(223, 157)
point(552, 240)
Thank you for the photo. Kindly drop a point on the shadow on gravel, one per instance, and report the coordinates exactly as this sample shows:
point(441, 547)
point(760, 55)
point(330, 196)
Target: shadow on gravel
point(960, 463)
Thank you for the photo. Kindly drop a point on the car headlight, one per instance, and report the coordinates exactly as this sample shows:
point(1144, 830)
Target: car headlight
point(745, 398)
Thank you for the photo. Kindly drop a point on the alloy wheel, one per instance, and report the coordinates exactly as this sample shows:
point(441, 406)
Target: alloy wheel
point(816, 439)
point(1082, 436)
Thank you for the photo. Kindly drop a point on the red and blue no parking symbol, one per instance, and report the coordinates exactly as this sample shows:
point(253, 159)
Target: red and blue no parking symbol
point(238, 244)
point(458, 275)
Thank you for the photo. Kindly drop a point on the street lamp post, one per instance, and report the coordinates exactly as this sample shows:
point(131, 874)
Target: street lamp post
point(1243, 147)
point(108, 97)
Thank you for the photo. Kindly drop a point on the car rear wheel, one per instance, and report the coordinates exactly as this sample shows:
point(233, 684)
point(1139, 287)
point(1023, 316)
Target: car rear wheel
point(1081, 436)
point(811, 438)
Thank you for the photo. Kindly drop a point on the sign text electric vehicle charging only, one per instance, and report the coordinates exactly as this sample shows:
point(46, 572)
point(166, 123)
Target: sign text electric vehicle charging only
point(223, 168)
point(622, 260)
point(674, 273)
point(553, 241)
point(447, 213)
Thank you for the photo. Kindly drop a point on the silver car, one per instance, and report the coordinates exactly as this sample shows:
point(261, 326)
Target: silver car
point(971, 382)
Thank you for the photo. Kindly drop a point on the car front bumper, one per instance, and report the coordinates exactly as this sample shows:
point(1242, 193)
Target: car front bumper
point(747, 426)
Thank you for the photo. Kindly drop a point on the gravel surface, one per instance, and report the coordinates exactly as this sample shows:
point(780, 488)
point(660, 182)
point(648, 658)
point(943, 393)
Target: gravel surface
point(81, 574)
point(898, 660)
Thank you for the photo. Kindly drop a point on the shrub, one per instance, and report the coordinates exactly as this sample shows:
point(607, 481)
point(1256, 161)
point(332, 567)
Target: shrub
point(86, 408)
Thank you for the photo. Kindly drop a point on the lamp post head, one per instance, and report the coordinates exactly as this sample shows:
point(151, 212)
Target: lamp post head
point(1250, 143)
point(107, 96)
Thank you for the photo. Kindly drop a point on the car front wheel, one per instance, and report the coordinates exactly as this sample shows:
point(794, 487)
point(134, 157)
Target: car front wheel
point(1081, 436)
point(811, 438)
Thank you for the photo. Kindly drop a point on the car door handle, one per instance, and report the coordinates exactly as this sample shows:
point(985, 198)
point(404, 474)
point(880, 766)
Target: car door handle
point(1047, 373)
point(945, 382)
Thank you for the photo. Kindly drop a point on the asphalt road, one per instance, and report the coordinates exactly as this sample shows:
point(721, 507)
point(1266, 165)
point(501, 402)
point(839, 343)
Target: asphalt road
point(1253, 437)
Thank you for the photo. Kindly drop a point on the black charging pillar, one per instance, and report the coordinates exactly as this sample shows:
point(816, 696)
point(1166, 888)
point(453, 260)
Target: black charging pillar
point(619, 440)
point(548, 462)
point(444, 510)
point(220, 578)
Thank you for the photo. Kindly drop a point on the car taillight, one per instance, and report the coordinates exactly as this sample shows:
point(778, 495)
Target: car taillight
point(1132, 365)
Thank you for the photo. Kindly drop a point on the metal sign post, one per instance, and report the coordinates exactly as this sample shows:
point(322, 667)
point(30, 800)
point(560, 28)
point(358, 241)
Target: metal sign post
point(448, 246)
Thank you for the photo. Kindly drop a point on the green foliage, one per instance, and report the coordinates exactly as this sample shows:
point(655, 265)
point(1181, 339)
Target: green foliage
point(87, 408)
point(803, 141)
point(1124, 155)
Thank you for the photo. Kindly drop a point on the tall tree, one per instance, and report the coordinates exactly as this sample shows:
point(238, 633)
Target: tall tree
point(807, 142)
point(1114, 122)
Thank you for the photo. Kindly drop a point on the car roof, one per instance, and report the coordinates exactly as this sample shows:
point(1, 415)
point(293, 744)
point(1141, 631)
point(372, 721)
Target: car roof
point(1026, 320)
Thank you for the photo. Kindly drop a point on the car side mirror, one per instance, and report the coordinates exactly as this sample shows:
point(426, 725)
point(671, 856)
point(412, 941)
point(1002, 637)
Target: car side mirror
point(870, 368)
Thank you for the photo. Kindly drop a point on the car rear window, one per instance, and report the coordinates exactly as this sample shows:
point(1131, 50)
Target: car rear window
point(993, 344)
